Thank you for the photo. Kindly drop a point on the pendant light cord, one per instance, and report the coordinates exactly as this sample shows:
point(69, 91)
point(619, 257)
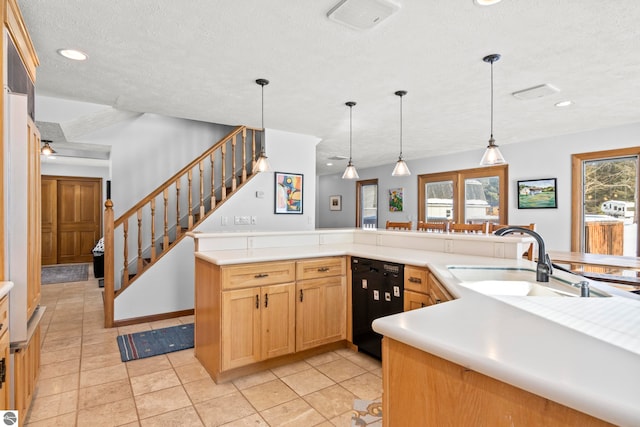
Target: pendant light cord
point(492, 98)
point(400, 126)
point(350, 130)
point(262, 86)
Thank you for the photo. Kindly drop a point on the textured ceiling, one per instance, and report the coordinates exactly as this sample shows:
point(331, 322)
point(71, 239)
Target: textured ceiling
point(199, 59)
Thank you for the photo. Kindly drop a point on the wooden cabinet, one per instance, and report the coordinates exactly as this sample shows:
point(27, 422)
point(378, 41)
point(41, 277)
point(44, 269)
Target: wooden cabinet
point(320, 311)
point(26, 362)
point(5, 355)
point(421, 288)
point(257, 324)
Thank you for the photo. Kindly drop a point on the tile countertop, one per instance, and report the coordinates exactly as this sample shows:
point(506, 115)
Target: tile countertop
point(5, 287)
point(581, 352)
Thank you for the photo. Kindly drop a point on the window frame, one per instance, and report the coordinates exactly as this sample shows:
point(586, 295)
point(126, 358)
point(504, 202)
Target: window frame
point(359, 185)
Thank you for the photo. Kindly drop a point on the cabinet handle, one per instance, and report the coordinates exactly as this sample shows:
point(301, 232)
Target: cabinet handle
point(261, 275)
point(415, 280)
point(257, 301)
point(266, 300)
point(421, 304)
point(301, 295)
point(1, 325)
point(323, 269)
point(3, 371)
point(438, 301)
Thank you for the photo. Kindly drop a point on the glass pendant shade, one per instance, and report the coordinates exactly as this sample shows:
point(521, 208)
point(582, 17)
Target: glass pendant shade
point(350, 172)
point(492, 155)
point(46, 149)
point(401, 168)
point(262, 164)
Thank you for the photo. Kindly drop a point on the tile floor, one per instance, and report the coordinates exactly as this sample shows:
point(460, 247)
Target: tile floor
point(84, 383)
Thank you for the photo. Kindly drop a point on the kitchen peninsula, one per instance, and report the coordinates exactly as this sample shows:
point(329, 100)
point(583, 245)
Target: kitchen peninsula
point(544, 346)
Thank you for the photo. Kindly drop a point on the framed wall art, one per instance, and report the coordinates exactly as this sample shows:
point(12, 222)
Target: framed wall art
point(335, 203)
point(288, 193)
point(537, 194)
point(395, 199)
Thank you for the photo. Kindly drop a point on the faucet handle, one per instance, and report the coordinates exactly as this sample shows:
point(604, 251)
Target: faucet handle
point(549, 264)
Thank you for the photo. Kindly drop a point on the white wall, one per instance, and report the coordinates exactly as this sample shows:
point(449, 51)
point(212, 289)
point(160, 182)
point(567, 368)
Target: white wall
point(542, 158)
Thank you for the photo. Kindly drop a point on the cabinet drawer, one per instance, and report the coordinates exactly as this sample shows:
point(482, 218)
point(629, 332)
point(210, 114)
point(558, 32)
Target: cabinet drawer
point(320, 267)
point(4, 314)
point(415, 279)
point(258, 274)
point(413, 300)
point(438, 292)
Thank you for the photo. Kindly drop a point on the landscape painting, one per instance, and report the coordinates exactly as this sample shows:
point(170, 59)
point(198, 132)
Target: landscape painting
point(537, 194)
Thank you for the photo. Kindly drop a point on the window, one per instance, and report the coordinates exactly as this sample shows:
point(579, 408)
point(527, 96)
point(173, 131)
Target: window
point(604, 193)
point(367, 203)
point(464, 196)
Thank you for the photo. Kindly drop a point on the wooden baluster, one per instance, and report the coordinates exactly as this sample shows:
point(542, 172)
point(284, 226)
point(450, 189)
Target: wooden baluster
point(139, 266)
point(234, 180)
point(178, 228)
point(253, 151)
point(125, 274)
point(153, 230)
point(190, 199)
point(165, 236)
point(213, 181)
point(201, 164)
point(244, 155)
point(223, 149)
point(109, 266)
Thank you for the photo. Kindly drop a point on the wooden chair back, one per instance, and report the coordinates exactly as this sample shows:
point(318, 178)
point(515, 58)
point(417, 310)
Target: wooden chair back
point(398, 225)
point(529, 253)
point(469, 228)
point(433, 226)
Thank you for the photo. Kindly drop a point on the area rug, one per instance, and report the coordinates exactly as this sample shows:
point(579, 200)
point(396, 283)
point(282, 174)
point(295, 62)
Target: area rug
point(366, 413)
point(155, 342)
point(63, 273)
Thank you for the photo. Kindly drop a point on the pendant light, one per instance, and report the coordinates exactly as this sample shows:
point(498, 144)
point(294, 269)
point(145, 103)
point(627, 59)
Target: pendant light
point(262, 164)
point(401, 168)
point(492, 155)
point(350, 172)
point(46, 149)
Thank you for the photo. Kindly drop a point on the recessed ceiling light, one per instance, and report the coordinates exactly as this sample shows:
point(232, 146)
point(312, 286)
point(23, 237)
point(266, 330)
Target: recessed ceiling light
point(486, 2)
point(74, 54)
point(564, 103)
point(329, 164)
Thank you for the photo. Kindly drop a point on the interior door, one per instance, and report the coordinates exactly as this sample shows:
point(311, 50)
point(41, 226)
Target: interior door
point(79, 218)
point(49, 222)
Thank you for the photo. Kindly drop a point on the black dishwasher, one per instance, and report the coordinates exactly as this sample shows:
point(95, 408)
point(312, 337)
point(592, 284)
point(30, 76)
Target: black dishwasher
point(377, 291)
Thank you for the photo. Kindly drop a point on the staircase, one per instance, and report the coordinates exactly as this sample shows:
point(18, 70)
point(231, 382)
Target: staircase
point(162, 218)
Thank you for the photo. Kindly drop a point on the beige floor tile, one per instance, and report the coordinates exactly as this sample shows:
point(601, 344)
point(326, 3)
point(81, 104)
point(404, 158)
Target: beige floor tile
point(180, 417)
point(48, 357)
point(366, 386)
point(253, 379)
point(65, 334)
point(253, 420)
point(131, 329)
point(100, 361)
point(99, 348)
point(377, 372)
point(53, 370)
point(147, 365)
point(108, 414)
point(291, 368)
point(342, 420)
point(345, 352)
point(61, 384)
point(324, 424)
point(207, 389)
point(154, 381)
point(340, 370)
point(165, 323)
point(99, 336)
point(364, 361)
point(331, 401)
point(104, 393)
point(161, 401)
point(182, 357)
point(322, 358)
point(61, 343)
point(187, 319)
point(191, 372)
point(306, 382)
point(224, 409)
point(269, 394)
point(53, 406)
point(66, 420)
point(294, 413)
point(103, 375)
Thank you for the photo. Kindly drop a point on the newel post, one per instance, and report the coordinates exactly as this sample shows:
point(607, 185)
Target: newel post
point(108, 264)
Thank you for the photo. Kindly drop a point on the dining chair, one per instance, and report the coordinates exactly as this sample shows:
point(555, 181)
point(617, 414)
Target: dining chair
point(480, 228)
point(398, 225)
point(433, 226)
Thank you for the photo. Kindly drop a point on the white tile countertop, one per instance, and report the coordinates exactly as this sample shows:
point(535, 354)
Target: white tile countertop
point(580, 352)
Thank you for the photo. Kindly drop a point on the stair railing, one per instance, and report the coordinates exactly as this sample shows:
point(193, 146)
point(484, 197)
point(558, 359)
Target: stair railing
point(213, 186)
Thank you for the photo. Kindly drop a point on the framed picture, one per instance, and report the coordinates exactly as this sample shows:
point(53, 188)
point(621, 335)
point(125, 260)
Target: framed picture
point(537, 194)
point(288, 193)
point(395, 199)
point(335, 203)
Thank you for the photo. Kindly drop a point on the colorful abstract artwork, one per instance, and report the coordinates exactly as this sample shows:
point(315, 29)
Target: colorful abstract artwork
point(395, 199)
point(288, 193)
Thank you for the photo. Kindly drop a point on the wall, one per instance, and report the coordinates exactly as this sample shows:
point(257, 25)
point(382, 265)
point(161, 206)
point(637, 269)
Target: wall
point(542, 158)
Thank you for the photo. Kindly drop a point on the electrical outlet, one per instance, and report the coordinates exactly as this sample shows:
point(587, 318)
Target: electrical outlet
point(241, 220)
point(448, 246)
point(224, 220)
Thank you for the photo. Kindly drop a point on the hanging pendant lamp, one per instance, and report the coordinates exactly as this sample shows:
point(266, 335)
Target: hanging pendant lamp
point(262, 164)
point(46, 149)
point(492, 155)
point(350, 172)
point(401, 168)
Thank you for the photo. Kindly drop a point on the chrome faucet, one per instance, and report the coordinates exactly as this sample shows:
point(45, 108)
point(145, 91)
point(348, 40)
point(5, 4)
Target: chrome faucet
point(544, 268)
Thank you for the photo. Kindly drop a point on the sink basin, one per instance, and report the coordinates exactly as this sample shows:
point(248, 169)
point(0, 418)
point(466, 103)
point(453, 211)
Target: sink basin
point(516, 281)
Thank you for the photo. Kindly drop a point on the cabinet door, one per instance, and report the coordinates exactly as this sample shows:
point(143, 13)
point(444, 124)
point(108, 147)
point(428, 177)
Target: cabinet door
point(413, 300)
point(5, 355)
point(240, 327)
point(278, 322)
point(320, 312)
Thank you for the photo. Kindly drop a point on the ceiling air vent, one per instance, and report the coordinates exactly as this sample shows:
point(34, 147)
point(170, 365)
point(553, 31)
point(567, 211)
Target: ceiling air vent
point(535, 92)
point(362, 14)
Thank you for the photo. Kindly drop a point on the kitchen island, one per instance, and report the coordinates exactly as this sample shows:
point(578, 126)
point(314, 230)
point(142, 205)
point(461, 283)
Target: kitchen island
point(586, 366)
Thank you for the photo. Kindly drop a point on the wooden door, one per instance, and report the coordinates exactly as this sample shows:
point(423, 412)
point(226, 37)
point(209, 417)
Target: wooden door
point(79, 218)
point(278, 320)
point(240, 327)
point(49, 221)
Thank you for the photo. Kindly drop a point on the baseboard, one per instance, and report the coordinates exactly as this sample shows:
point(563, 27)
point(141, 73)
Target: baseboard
point(152, 318)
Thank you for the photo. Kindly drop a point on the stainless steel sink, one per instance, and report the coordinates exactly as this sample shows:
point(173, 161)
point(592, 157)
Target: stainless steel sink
point(516, 281)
